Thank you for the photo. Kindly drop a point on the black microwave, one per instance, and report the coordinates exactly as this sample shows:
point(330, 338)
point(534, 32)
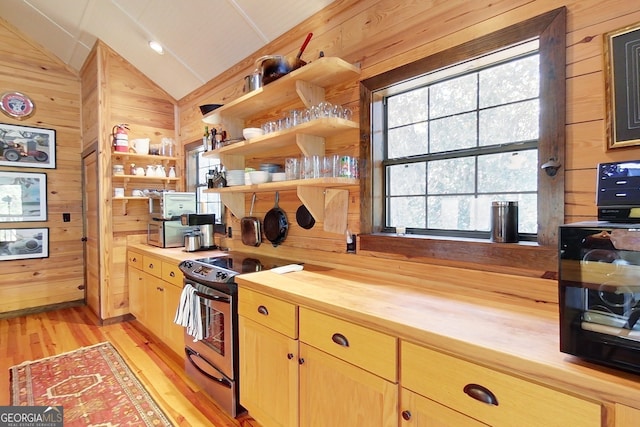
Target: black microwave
point(599, 293)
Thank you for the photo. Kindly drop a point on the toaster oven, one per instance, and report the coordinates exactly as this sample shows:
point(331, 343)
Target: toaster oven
point(599, 292)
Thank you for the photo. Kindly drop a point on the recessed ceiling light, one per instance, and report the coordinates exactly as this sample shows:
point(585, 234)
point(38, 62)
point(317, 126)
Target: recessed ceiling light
point(157, 47)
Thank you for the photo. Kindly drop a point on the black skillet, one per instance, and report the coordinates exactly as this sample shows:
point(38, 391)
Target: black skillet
point(304, 218)
point(275, 224)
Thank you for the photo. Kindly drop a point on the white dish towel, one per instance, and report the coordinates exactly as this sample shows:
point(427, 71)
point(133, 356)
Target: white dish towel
point(188, 313)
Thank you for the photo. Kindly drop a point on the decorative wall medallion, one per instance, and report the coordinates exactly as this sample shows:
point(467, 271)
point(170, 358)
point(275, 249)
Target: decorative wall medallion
point(16, 105)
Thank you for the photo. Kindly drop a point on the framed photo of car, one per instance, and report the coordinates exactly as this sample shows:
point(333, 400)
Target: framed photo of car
point(23, 146)
point(23, 196)
point(24, 243)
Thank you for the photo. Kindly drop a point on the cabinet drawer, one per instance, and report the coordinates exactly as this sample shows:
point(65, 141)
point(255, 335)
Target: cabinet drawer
point(271, 312)
point(371, 350)
point(444, 379)
point(134, 259)
point(171, 273)
point(152, 265)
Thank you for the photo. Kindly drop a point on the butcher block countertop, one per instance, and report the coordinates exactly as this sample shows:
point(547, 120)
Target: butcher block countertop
point(172, 254)
point(519, 341)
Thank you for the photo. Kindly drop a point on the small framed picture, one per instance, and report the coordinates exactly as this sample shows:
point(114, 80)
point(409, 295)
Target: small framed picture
point(24, 243)
point(622, 86)
point(23, 196)
point(29, 147)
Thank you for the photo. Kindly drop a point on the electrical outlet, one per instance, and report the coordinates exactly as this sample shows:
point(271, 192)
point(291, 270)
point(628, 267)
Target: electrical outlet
point(66, 217)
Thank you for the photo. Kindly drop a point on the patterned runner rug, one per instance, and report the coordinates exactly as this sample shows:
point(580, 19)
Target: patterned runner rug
point(93, 384)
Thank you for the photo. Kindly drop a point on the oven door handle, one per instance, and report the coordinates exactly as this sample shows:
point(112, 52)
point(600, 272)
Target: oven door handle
point(213, 297)
point(222, 380)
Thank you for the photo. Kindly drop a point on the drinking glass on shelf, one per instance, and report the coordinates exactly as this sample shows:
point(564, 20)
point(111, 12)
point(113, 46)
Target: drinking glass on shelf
point(295, 117)
point(326, 168)
point(325, 109)
point(292, 168)
point(310, 167)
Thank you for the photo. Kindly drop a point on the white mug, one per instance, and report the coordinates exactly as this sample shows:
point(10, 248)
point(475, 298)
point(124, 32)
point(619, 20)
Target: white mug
point(118, 192)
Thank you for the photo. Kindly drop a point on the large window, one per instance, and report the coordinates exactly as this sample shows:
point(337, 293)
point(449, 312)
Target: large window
point(459, 138)
point(449, 133)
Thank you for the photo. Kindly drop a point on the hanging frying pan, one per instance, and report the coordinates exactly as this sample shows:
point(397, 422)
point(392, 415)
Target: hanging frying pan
point(250, 227)
point(276, 224)
point(304, 218)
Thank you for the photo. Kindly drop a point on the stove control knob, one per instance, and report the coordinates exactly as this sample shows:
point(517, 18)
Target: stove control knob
point(188, 264)
point(221, 275)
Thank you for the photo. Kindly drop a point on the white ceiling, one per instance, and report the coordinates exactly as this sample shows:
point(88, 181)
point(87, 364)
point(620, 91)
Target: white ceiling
point(202, 38)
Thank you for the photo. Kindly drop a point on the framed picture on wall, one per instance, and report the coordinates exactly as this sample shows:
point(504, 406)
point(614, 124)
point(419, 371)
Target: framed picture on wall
point(23, 196)
point(622, 86)
point(23, 146)
point(24, 243)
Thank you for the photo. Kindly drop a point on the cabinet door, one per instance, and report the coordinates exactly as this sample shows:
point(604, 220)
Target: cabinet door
point(338, 394)
point(268, 374)
point(136, 293)
point(173, 334)
point(626, 416)
point(418, 411)
point(154, 304)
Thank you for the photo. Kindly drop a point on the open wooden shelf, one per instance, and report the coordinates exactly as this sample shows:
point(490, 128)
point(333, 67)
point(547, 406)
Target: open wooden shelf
point(307, 83)
point(305, 135)
point(286, 185)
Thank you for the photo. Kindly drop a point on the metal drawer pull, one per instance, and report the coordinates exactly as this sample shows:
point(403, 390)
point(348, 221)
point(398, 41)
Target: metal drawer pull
point(263, 310)
point(406, 415)
point(172, 274)
point(150, 265)
point(481, 393)
point(340, 340)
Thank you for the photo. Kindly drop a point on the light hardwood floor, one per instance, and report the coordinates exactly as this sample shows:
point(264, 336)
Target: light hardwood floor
point(49, 333)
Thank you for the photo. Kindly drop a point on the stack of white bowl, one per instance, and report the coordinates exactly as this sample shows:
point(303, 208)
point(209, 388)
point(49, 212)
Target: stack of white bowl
point(235, 177)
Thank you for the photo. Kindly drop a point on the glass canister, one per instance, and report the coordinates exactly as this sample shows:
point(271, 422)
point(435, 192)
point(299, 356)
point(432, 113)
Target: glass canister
point(167, 147)
point(118, 169)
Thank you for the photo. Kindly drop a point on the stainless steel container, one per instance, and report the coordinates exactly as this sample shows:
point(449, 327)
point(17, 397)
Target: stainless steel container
point(504, 222)
point(253, 81)
point(191, 242)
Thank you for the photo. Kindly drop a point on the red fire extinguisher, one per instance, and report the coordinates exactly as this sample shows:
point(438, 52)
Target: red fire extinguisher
point(121, 137)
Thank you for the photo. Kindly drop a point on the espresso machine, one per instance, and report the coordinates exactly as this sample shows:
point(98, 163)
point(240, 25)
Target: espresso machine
point(204, 224)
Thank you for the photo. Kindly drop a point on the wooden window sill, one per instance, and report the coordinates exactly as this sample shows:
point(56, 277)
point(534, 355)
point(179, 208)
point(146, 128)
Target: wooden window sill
point(522, 258)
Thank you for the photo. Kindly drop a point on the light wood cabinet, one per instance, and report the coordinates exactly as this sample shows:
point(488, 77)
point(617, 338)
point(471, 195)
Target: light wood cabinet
point(487, 395)
point(136, 293)
point(418, 411)
point(371, 350)
point(268, 374)
point(155, 287)
point(626, 416)
point(336, 393)
point(281, 377)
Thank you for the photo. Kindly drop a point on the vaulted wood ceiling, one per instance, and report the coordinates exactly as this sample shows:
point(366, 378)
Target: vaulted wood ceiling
point(201, 38)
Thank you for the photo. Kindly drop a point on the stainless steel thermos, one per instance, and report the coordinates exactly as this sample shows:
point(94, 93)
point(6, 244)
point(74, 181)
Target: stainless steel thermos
point(504, 222)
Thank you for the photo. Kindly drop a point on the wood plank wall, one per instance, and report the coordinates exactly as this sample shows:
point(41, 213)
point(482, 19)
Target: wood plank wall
point(55, 90)
point(383, 34)
point(378, 35)
point(115, 92)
